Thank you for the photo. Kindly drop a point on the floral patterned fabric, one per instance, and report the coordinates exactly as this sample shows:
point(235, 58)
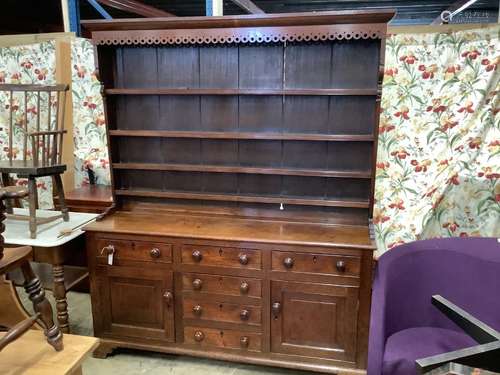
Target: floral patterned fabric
point(438, 164)
point(34, 63)
point(89, 126)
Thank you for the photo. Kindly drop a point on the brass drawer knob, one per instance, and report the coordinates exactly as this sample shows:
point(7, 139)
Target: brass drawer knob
point(243, 258)
point(199, 336)
point(197, 284)
point(244, 287)
point(340, 266)
point(197, 256)
point(244, 341)
point(244, 314)
point(197, 310)
point(288, 262)
point(155, 253)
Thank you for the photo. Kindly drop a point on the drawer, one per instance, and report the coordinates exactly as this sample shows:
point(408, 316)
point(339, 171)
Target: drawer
point(221, 311)
point(223, 338)
point(227, 285)
point(315, 263)
point(142, 251)
point(221, 256)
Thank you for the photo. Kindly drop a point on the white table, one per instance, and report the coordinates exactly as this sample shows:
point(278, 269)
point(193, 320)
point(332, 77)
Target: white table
point(50, 247)
point(17, 232)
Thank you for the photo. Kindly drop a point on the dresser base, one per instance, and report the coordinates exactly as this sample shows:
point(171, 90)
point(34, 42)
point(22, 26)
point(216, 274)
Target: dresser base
point(107, 346)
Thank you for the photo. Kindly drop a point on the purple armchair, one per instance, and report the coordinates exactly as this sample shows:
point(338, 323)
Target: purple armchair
point(404, 325)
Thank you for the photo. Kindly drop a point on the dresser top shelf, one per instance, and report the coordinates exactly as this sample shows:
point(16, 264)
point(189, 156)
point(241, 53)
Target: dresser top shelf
point(169, 224)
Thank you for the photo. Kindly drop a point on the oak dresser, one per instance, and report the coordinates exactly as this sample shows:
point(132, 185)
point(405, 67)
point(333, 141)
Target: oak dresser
point(242, 154)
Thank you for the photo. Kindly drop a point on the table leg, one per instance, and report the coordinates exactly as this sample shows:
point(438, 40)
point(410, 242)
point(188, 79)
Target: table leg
point(60, 297)
point(33, 287)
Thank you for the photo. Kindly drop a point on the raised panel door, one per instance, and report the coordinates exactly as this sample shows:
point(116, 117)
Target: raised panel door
point(317, 320)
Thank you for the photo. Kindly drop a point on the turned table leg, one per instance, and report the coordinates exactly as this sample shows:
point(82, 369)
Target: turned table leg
point(41, 305)
point(60, 297)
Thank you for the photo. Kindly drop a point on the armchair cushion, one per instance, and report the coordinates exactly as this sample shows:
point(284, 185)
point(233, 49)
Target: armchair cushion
point(404, 347)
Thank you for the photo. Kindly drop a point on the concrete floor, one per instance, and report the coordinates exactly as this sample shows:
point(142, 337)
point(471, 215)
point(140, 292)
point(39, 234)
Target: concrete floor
point(134, 362)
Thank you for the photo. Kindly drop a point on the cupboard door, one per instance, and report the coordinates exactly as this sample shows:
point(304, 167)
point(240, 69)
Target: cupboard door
point(317, 320)
point(137, 303)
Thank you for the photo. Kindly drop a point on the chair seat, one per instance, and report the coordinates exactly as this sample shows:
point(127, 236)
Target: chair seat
point(403, 348)
point(13, 257)
point(26, 168)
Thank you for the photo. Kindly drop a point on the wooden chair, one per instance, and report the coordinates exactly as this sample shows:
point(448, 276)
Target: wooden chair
point(41, 126)
point(19, 257)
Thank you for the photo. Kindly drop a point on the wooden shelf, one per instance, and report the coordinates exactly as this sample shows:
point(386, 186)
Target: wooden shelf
point(199, 91)
point(242, 135)
point(240, 169)
point(244, 198)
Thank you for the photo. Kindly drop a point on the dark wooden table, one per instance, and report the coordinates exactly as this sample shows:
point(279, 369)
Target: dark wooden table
point(89, 198)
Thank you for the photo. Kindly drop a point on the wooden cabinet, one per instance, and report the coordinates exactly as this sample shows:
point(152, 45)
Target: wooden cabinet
point(242, 154)
point(317, 320)
point(134, 303)
point(311, 313)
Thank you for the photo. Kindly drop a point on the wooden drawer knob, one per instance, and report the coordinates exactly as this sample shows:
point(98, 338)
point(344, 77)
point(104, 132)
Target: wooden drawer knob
point(197, 310)
point(197, 284)
point(197, 256)
point(169, 297)
point(288, 262)
point(244, 287)
point(199, 336)
point(276, 308)
point(155, 253)
point(340, 266)
point(244, 341)
point(244, 314)
point(243, 258)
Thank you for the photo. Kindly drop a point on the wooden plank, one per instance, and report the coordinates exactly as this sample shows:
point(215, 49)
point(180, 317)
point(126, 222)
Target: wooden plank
point(63, 76)
point(444, 29)
point(237, 169)
point(244, 198)
point(250, 20)
point(195, 91)
point(136, 7)
point(21, 39)
point(240, 135)
point(249, 6)
point(30, 354)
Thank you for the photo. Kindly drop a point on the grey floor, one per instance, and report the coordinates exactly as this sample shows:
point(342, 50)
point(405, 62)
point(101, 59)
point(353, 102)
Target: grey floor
point(132, 362)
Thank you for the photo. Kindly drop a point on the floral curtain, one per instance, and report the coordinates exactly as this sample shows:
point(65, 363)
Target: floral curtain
point(34, 63)
point(89, 126)
point(438, 164)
